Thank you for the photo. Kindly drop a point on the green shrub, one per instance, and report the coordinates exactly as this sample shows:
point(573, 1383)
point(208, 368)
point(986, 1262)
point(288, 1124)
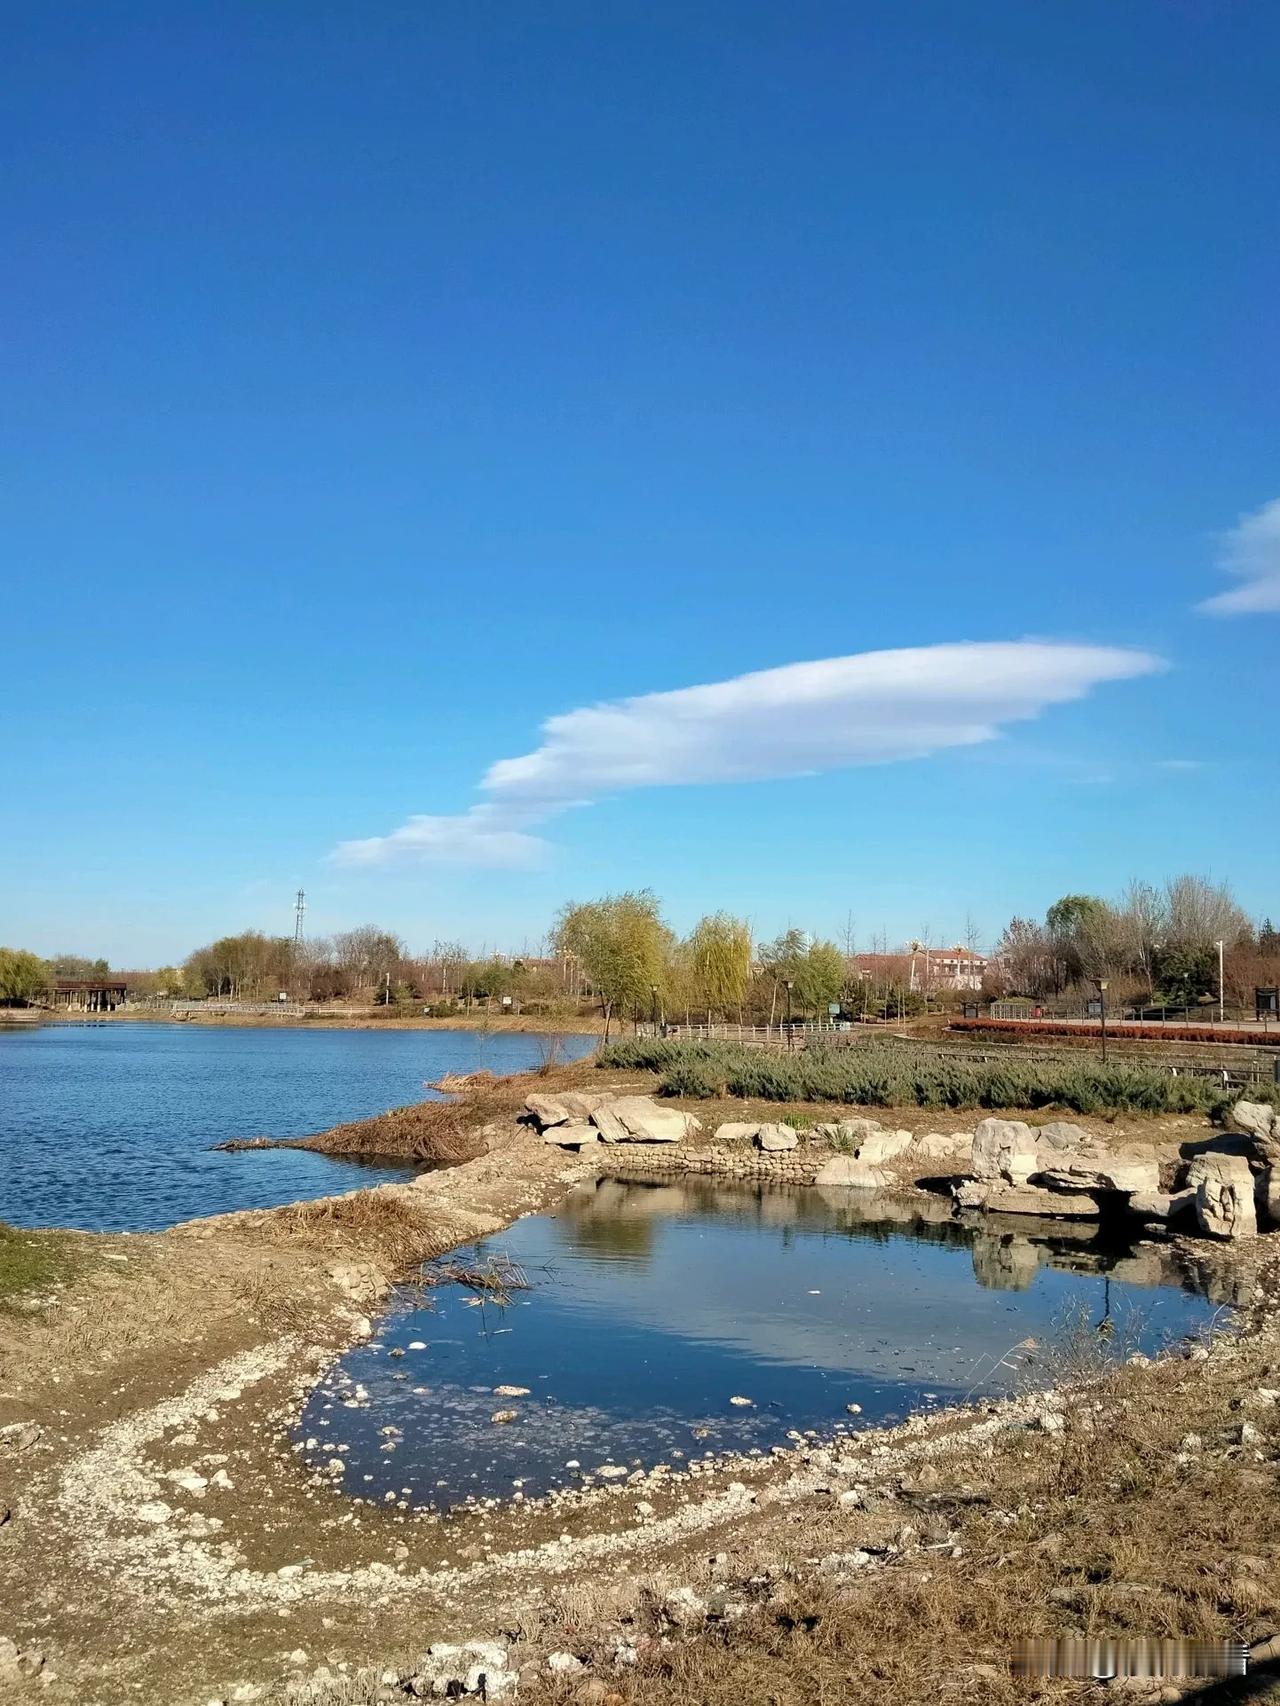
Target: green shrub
point(884, 1075)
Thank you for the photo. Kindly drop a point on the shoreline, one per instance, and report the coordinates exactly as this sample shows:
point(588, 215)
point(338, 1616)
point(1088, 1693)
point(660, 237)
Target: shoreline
point(520, 1025)
point(168, 1356)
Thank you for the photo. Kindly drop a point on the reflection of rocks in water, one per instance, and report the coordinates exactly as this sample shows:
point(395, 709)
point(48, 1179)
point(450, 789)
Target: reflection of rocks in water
point(617, 1215)
point(1223, 1277)
point(1008, 1263)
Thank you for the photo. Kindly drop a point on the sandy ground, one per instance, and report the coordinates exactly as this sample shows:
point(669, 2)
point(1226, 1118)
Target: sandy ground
point(160, 1541)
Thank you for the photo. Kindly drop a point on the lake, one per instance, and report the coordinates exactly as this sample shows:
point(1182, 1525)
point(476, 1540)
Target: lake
point(650, 1308)
point(108, 1127)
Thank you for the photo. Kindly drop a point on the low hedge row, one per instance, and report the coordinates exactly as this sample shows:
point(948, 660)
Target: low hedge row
point(882, 1077)
point(1139, 1033)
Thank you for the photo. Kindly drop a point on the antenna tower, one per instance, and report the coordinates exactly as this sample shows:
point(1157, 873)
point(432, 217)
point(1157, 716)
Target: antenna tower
point(299, 908)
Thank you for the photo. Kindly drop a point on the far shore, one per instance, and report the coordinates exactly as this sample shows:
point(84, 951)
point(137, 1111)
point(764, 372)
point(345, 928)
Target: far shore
point(355, 1020)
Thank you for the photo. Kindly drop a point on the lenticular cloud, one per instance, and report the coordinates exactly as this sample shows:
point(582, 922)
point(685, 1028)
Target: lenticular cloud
point(804, 718)
point(1250, 553)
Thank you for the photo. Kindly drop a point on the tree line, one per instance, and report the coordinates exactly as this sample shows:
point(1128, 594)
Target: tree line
point(1156, 945)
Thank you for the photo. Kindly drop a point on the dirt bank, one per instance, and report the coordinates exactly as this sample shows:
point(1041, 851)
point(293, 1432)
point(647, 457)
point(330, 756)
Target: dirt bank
point(164, 1544)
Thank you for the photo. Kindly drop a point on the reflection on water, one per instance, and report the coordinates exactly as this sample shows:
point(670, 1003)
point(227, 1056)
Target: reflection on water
point(652, 1306)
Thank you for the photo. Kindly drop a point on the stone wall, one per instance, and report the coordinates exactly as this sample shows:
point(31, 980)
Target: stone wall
point(791, 1167)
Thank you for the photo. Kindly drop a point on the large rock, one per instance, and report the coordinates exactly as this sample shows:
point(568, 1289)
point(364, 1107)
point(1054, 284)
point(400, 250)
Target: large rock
point(1260, 1120)
point(641, 1120)
point(773, 1137)
point(1224, 1195)
point(1060, 1137)
point(1004, 1149)
point(880, 1146)
point(1161, 1205)
point(1062, 1156)
point(611, 1128)
point(571, 1136)
point(1000, 1198)
point(944, 1146)
point(849, 1170)
point(1103, 1172)
point(737, 1131)
point(581, 1104)
point(548, 1111)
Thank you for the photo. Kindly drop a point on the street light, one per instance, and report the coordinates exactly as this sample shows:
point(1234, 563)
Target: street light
point(1221, 986)
point(1102, 1013)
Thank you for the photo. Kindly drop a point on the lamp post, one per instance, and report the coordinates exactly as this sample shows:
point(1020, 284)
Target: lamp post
point(790, 1038)
point(1222, 989)
point(1102, 1012)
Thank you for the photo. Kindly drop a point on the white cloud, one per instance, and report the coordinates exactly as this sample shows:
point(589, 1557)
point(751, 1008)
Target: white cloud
point(1251, 553)
point(484, 836)
point(804, 718)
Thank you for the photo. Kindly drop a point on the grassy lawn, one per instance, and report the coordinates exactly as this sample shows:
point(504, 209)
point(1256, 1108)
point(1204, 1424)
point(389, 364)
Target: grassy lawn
point(31, 1263)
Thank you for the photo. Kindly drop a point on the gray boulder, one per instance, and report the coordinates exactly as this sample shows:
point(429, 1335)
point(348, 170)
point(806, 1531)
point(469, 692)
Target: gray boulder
point(571, 1136)
point(547, 1111)
point(1103, 1172)
point(737, 1131)
point(1062, 1156)
point(1224, 1195)
point(881, 1145)
point(1259, 1120)
point(581, 1104)
point(611, 1128)
point(1161, 1205)
point(944, 1146)
point(1004, 1149)
point(1000, 1198)
point(773, 1137)
point(639, 1119)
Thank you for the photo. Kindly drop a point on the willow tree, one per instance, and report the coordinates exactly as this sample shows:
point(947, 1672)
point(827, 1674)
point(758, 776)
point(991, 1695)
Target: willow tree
point(820, 976)
point(24, 977)
point(623, 945)
point(719, 952)
point(780, 961)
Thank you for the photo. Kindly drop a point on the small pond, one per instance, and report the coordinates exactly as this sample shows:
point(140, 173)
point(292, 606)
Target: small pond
point(650, 1308)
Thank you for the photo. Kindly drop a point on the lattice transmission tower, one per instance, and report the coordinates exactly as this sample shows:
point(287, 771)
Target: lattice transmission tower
point(299, 910)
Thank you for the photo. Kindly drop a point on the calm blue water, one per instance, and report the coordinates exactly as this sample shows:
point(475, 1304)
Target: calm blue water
point(107, 1127)
point(651, 1307)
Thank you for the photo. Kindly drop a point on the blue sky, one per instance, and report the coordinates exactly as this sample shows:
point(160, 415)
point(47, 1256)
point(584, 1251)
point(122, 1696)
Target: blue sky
point(387, 380)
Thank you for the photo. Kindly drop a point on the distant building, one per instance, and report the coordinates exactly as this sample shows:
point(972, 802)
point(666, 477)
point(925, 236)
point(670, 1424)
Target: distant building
point(90, 994)
point(938, 968)
point(954, 968)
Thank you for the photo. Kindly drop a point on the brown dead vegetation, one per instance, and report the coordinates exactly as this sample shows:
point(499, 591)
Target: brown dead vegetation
point(1146, 1516)
point(444, 1133)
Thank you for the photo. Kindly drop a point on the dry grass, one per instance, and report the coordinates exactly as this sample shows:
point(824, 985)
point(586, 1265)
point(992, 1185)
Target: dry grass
point(1117, 1526)
point(379, 1223)
point(443, 1132)
point(451, 1132)
point(495, 1278)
